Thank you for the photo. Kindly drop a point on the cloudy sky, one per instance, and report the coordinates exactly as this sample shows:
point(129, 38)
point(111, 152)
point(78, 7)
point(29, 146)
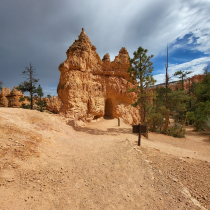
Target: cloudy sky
point(41, 31)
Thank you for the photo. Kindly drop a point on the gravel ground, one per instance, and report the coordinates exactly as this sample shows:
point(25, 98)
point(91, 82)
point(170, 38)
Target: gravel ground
point(47, 164)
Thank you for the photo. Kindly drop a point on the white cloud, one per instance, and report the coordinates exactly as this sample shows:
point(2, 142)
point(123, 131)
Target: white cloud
point(52, 26)
point(160, 78)
point(196, 66)
point(181, 18)
point(190, 40)
point(177, 46)
point(203, 40)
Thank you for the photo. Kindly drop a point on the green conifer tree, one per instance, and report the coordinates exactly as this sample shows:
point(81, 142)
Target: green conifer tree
point(182, 75)
point(140, 72)
point(40, 101)
point(30, 84)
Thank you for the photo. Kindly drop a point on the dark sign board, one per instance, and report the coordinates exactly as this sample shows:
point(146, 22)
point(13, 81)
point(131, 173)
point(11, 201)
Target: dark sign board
point(137, 127)
point(143, 128)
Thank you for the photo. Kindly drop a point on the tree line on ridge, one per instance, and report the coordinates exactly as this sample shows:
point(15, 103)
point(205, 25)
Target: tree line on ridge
point(157, 107)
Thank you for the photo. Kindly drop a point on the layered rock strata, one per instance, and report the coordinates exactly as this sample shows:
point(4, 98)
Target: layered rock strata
point(90, 88)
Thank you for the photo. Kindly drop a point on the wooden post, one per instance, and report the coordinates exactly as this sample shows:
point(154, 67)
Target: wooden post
point(118, 121)
point(139, 129)
point(139, 141)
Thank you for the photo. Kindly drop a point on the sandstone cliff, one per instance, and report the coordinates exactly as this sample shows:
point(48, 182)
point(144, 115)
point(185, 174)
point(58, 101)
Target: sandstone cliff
point(90, 88)
point(177, 84)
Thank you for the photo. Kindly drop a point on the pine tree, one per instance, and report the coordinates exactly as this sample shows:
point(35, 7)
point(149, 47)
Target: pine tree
point(140, 72)
point(49, 96)
point(166, 98)
point(161, 108)
point(200, 110)
point(41, 102)
point(182, 75)
point(30, 84)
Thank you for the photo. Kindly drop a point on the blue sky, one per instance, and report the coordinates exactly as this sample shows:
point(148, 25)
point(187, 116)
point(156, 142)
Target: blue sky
point(185, 54)
point(41, 32)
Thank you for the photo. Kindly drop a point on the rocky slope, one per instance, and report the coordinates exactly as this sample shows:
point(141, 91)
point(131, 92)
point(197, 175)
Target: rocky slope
point(46, 164)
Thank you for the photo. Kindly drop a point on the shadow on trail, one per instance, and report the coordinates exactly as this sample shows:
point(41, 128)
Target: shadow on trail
point(207, 140)
point(109, 131)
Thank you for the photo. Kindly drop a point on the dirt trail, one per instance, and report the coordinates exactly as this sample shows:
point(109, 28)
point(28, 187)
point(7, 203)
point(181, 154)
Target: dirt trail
point(46, 164)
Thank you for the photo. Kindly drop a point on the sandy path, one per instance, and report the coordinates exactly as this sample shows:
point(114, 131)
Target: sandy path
point(46, 164)
point(194, 145)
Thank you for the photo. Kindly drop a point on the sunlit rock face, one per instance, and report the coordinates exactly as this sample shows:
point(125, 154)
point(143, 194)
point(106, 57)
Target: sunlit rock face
point(14, 98)
point(90, 88)
point(10, 98)
point(5, 92)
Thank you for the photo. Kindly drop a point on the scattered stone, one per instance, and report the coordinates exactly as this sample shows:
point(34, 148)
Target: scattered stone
point(10, 180)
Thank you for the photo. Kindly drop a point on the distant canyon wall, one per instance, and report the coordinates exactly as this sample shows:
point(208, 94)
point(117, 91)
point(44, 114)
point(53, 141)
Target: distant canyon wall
point(177, 84)
point(10, 98)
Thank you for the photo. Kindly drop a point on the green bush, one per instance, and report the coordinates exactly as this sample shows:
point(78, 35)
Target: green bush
point(176, 131)
point(199, 116)
point(208, 123)
point(24, 106)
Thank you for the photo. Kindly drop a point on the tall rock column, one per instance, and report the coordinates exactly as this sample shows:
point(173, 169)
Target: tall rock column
point(90, 88)
point(81, 92)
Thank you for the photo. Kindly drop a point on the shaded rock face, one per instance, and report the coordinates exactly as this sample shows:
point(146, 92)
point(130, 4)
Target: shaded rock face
point(90, 88)
point(53, 104)
point(10, 98)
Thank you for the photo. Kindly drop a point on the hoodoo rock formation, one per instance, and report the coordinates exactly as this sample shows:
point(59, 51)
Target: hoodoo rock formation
point(91, 88)
point(10, 98)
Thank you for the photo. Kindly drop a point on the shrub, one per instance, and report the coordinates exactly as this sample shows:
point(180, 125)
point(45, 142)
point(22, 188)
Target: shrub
point(208, 123)
point(176, 131)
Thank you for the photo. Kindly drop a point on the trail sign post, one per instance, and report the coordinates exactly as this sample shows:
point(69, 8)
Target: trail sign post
point(139, 129)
